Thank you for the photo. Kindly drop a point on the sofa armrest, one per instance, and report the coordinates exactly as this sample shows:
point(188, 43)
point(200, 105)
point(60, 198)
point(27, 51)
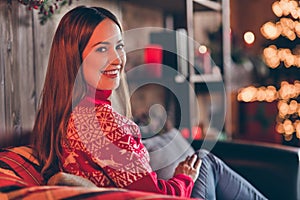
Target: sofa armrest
point(272, 168)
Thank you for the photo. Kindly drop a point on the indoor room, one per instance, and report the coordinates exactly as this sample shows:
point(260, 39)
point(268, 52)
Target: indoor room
point(125, 99)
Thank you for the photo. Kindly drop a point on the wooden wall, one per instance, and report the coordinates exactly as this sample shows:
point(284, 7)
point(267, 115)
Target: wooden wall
point(17, 73)
point(23, 56)
point(24, 50)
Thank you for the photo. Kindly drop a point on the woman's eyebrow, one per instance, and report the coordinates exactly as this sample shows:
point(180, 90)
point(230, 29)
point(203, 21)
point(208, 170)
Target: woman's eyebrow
point(101, 43)
point(106, 43)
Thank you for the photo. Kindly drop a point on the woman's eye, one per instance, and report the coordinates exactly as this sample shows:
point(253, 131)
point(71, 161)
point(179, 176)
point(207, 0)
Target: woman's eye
point(120, 46)
point(102, 49)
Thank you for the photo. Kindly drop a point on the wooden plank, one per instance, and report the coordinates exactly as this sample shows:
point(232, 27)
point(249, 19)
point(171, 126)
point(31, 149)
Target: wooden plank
point(3, 50)
point(210, 4)
point(26, 67)
point(12, 71)
point(8, 87)
point(9, 71)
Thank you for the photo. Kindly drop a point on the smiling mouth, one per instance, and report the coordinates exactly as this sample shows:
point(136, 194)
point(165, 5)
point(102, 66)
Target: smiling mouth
point(111, 73)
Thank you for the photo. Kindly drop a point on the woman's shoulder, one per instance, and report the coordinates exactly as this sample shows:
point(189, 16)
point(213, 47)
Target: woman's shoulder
point(101, 117)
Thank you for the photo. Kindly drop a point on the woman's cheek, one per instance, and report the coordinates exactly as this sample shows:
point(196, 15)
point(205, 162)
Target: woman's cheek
point(90, 76)
point(92, 69)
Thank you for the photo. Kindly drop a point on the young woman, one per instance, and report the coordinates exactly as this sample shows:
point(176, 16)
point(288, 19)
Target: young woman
point(81, 134)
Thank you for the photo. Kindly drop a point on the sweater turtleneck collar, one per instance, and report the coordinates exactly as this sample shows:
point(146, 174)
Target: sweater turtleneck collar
point(97, 96)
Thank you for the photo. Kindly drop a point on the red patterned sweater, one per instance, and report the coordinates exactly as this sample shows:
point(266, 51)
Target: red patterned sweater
point(106, 148)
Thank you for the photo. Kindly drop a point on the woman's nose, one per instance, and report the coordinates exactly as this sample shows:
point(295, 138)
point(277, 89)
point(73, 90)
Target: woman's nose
point(116, 58)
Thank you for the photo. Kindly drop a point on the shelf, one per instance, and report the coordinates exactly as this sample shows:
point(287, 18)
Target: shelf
point(209, 4)
point(178, 6)
point(205, 78)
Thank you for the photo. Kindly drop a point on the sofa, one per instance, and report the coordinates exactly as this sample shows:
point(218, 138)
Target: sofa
point(272, 169)
point(20, 177)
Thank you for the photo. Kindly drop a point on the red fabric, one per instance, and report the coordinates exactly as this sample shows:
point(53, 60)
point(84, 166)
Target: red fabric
point(99, 138)
point(9, 182)
point(180, 185)
point(96, 97)
point(19, 163)
point(66, 192)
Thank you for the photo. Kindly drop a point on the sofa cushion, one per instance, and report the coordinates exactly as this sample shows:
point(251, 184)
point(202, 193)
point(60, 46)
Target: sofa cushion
point(166, 151)
point(18, 168)
point(9, 182)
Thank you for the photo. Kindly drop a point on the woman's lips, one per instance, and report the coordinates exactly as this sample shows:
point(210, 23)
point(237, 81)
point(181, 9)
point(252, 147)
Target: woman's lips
point(111, 73)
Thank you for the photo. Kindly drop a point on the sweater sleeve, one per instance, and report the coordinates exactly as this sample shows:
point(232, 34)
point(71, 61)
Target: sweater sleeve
point(180, 185)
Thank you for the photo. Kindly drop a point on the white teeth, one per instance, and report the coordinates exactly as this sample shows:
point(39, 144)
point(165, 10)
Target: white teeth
point(111, 72)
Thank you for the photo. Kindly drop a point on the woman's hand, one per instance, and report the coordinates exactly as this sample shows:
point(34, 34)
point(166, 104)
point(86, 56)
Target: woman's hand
point(190, 167)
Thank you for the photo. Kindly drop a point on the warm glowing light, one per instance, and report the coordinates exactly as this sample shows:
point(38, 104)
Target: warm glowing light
point(285, 27)
point(271, 94)
point(279, 128)
point(273, 56)
point(202, 49)
point(247, 94)
point(293, 107)
point(251, 93)
point(297, 127)
point(270, 31)
point(297, 28)
point(289, 91)
point(286, 7)
point(288, 127)
point(283, 108)
point(249, 37)
point(288, 137)
point(288, 26)
point(277, 9)
point(287, 105)
point(261, 94)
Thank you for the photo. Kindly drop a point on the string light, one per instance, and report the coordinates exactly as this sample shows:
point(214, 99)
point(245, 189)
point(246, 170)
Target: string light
point(273, 56)
point(285, 27)
point(251, 94)
point(286, 91)
point(288, 107)
point(285, 8)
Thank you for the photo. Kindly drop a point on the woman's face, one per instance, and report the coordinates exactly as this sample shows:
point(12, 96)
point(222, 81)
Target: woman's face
point(104, 56)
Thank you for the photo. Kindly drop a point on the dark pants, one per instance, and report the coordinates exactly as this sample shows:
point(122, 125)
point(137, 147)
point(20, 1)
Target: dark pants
point(217, 181)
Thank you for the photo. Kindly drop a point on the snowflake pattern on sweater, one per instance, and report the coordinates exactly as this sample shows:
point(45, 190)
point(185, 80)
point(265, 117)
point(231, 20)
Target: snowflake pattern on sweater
point(99, 139)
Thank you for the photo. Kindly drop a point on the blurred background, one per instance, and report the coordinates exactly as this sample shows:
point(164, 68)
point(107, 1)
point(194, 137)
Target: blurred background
point(220, 69)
